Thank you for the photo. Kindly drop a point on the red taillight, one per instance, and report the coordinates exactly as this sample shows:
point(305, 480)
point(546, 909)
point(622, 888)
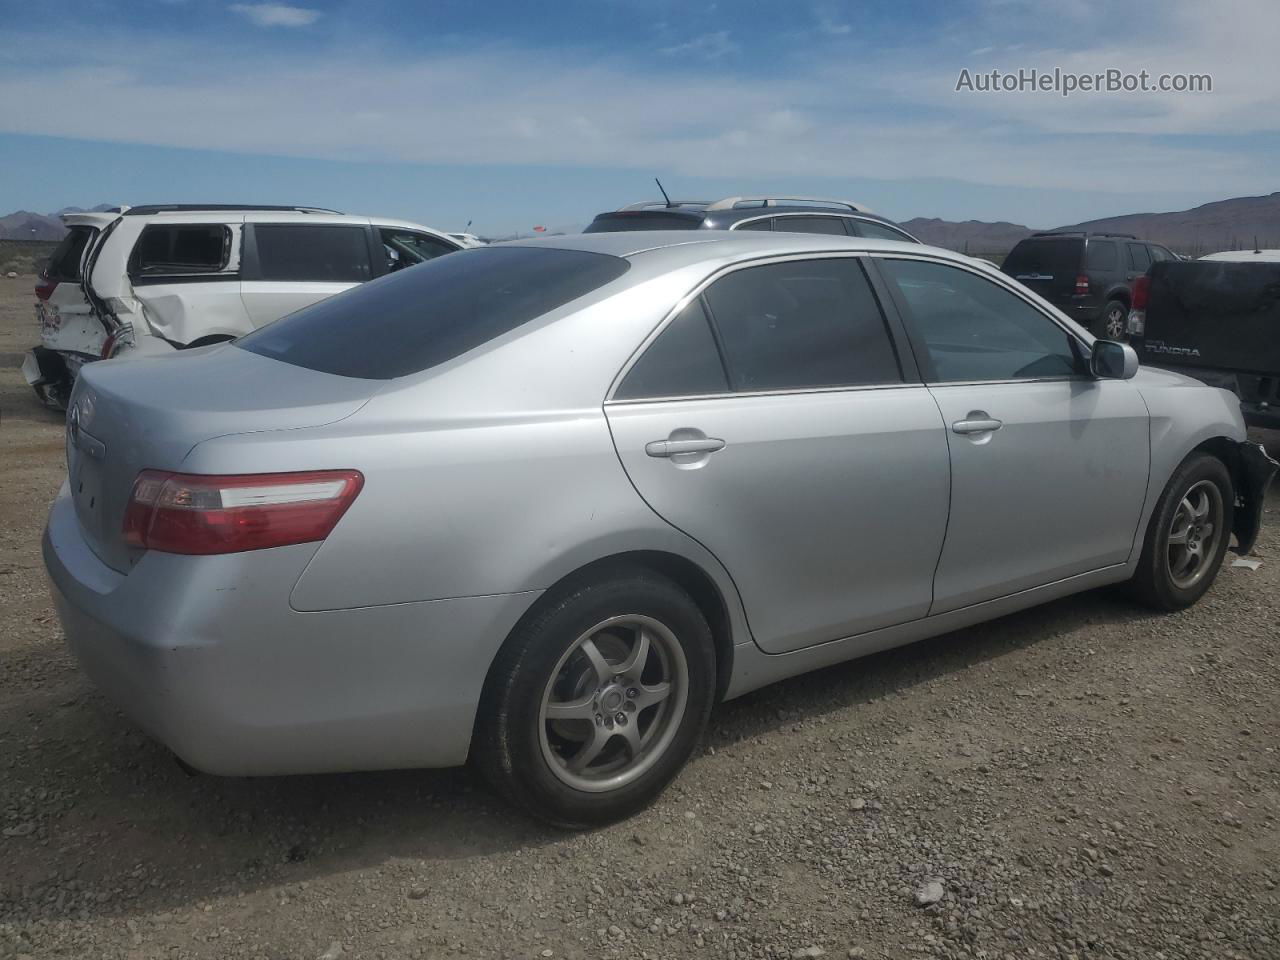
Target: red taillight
point(45, 288)
point(1082, 284)
point(190, 514)
point(1141, 292)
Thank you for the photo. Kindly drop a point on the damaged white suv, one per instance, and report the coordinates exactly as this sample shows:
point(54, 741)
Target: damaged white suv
point(153, 279)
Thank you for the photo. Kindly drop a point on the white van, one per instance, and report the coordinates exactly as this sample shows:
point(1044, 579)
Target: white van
point(153, 279)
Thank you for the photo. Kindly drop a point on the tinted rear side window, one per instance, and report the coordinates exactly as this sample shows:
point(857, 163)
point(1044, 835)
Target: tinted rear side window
point(180, 249)
point(324, 254)
point(646, 220)
point(682, 362)
point(414, 319)
point(802, 324)
point(1102, 255)
point(1139, 258)
point(880, 231)
point(1050, 257)
point(64, 263)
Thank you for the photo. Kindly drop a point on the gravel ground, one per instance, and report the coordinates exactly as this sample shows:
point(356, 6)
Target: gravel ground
point(1082, 780)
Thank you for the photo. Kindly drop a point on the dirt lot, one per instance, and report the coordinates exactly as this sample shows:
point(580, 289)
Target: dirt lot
point(1085, 780)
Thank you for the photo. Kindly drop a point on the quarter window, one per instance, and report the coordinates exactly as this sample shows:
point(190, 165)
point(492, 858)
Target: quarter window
point(801, 324)
point(973, 329)
point(682, 362)
point(306, 252)
point(168, 250)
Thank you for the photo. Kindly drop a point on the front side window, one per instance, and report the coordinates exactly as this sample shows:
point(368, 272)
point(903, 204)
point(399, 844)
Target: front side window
point(828, 225)
point(404, 248)
point(880, 231)
point(973, 329)
point(312, 253)
point(180, 249)
point(801, 324)
point(1102, 255)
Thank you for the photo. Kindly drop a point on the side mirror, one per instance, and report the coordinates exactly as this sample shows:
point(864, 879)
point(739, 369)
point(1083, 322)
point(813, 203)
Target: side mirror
point(1113, 361)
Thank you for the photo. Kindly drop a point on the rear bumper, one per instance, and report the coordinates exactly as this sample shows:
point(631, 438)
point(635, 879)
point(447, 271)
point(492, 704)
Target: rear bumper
point(207, 656)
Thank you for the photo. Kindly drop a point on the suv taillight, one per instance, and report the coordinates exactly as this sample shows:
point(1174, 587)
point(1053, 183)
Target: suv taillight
point(1082, 284)
point(192, 514)
point(45, 288)
point(1140, 293)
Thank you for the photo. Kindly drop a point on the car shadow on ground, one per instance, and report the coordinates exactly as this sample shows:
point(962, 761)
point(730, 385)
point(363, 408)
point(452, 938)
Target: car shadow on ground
point(149, 836)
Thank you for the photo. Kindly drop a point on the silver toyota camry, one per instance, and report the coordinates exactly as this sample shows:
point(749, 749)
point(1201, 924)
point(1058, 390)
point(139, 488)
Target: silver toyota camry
point(542, 504)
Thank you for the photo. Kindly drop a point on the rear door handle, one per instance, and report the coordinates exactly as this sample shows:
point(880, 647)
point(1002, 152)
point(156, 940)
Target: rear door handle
point(975, 423)
point(671, 448)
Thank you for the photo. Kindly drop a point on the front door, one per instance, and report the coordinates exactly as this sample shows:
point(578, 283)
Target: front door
point(1048, 465)
point(771, 421)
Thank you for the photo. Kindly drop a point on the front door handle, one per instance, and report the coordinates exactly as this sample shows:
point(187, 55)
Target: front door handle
point(672, 448)
point(977, 422)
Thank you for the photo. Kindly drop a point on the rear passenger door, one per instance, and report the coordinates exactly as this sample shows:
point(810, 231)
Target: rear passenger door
point(777, 420)
point(291, 265)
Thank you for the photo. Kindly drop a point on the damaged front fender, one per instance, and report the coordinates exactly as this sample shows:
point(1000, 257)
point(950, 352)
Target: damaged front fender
point(1254, 469)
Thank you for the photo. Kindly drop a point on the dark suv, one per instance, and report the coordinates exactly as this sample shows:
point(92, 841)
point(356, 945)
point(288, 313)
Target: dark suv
point(791, 214)
point(1086, 275)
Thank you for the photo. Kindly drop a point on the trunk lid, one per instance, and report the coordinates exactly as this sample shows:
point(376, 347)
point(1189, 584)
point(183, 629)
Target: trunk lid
point(1047, 265)
point(148, 413)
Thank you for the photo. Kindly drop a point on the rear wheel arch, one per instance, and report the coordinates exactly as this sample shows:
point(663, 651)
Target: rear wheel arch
point(683, 572)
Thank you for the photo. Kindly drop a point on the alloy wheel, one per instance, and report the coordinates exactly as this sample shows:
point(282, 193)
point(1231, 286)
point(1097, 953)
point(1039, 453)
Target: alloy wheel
point(1115, 324)
point(1194, 534)
point(613, 703)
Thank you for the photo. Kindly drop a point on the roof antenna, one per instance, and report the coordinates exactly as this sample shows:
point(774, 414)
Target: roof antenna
point(1255, 244)
point(664, 192)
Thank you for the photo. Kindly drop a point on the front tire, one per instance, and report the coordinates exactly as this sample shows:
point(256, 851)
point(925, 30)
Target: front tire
point(1187, 536)
point(597, 700)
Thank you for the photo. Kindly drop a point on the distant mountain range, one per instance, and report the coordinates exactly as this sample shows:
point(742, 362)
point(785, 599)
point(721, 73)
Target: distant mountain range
point(1223, 225)
point(25, 225)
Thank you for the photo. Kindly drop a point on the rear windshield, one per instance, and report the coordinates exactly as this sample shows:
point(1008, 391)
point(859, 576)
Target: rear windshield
point(1049, 257)
point(656, 220)
point(64, 263)
point(416, 318)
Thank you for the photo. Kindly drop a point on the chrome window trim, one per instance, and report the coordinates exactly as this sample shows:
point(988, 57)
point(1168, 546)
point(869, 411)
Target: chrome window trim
point(698, 290)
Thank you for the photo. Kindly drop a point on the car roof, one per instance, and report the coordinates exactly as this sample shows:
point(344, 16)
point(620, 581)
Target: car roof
point(684, 247)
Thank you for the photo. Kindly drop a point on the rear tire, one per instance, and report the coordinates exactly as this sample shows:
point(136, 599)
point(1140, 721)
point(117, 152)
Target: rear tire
point(597, 700)
point(1187, 536)
point(1112, 322)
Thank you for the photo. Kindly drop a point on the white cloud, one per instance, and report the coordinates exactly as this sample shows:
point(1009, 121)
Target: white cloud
point(890, 114)
point(709, 46)
point(276, 14)
point(829, 24)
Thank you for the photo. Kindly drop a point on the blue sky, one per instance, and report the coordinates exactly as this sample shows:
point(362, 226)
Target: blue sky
point(515, 114)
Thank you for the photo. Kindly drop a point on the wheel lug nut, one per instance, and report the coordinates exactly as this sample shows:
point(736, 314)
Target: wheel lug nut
point(632, 693)
point(599, 719)
point(621, 717)
point(630, 706)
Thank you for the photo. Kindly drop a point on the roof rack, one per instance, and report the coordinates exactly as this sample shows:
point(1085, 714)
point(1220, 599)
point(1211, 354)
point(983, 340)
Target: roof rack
point(663, 205)
point(732, 203)
point(1083, 233)
point(150, 208)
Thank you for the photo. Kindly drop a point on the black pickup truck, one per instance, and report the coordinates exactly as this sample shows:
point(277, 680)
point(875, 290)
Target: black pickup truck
point(1217, 320)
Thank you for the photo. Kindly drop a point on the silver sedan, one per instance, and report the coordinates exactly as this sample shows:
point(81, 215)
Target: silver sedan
point(543, 504)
